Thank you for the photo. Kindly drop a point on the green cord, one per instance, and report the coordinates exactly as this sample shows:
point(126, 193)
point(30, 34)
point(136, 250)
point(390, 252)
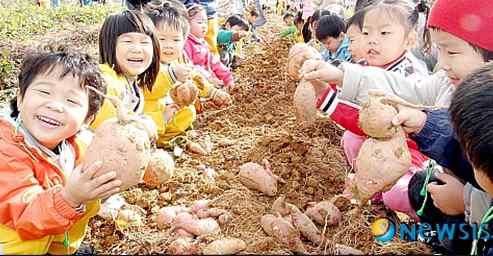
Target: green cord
point(66, 241)
point(487, 217)
point(424, 188)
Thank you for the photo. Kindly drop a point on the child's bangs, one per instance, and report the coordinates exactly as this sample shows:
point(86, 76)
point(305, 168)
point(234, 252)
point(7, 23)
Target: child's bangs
point(129, 22)
point(391, 13)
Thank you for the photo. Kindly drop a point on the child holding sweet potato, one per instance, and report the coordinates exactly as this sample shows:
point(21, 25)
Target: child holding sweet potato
point(47, 197)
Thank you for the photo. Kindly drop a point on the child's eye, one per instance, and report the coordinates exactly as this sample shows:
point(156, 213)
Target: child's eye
point(72, 101)
point(45, 92)
point(365, 33)
point(452, 53)
point(385, 33)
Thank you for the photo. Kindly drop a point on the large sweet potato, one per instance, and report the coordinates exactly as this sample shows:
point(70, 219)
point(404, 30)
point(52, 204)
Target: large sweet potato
point(380, 163)
point(160, 168)
point(297, 55)
point(304, 101)
point(123, 144)
point(184, 94)
point(375, 117)
point(283, 231)
point(183, 246)
point(307, 228)
point(323, 212)
point(254, 176)
point(168, 214)
point(196, 226)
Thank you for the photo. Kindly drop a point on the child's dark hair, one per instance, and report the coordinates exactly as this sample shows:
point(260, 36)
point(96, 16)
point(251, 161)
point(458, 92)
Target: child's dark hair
point(307, 34)
point(471, 111)
point(253, 12)
point(330, 26)
point(287, 15)
point(128, 22)
point(298, 19)
point(170, 16)
point(68, 62)
point(236, 20)
point(357, 19)
point(361, 4)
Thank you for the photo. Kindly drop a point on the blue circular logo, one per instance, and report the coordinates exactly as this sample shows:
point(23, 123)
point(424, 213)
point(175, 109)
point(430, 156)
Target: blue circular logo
point(383, 230)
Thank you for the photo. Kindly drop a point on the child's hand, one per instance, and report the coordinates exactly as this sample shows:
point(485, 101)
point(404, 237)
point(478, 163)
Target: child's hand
point(82, 186)
point(449, 197)
point(221, 98)
point(412, 120)
point(182, 72)
point(170, 111)
point(321, 70)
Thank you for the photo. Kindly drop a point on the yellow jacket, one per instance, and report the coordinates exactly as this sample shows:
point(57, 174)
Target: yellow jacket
point(115, 86)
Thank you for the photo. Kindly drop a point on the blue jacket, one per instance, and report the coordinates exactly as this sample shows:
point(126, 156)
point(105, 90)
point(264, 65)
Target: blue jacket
point(438, 141)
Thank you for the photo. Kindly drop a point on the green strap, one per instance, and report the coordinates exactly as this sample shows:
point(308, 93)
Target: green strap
point(66, 240)
point(487, 217)
point(424, 189)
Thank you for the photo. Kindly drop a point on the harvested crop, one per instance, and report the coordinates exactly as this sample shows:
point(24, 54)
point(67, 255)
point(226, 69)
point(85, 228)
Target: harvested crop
point(298, 54)
point(122, 144)
point(340, 249)
point(305, 225)
point(283, 231)
point(168, 214)
point(380, 163)
point(183, 246)
point(210, 212)
point(160, 168)
point(279, 206)
point(184, 94)
point(196, 148)
point(225, 246)
point(200, 205)
point(375, 117)
point(254, 176)
point(304, 102)
point(196, 226)
point(323, 212)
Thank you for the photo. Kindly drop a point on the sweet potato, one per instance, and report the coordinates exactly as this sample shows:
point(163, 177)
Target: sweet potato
point(225, 218)
point(196, 148)
point(130, 216)
point(210, 213)
point(298, 54)
point(279, 206)
point(304, 101)
point(181, 233)
point(283, 231)
point(254, 176)
point(323, 211)
point(183, 246)
point(340, 249)
point(225, 246)
point(380, 163)
point(196, 226)
point(305, 225)
point(184, 94)
point(199, 205)
point(375, 117)
point(123, 144)
point(160, 168)
point(168, 214)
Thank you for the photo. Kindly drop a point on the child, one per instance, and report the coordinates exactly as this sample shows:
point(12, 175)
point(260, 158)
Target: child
point(47, 197)
point(172, 28)
point(294, 27)
point(471, 100)
point(288, 19)
point(357, 44)
point(252, 16)
point(331, 33)
point(129, 53)
point(234, 30)
point(461, 51)
point(197, 51)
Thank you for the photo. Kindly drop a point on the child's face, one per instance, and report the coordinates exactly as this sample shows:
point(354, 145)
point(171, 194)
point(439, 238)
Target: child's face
point(386, 39)
point(357, 43)
point(332, 44)
point(171, 42)
point(456, 56)
point(198, 25)
point(288, 21)
point(484, 181)
point(251, 18)
point(53, 109)
point(237, 28)
point(134, 53)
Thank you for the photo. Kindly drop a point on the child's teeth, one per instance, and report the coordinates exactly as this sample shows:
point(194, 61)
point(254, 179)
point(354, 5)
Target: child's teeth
point(49, 120)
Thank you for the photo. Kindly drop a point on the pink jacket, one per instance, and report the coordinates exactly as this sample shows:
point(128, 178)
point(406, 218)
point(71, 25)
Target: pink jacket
point(198, 52)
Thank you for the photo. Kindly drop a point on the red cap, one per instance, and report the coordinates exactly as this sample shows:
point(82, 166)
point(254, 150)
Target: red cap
point(470, 20)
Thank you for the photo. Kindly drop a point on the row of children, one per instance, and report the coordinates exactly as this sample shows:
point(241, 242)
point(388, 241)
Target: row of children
point(382, 38)
point(46, 196)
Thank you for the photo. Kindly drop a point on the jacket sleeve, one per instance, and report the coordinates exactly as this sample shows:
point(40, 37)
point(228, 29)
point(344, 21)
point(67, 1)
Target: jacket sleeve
point(26, 206)
point(189, 51)
point(291, 30)
point(343, 113)
point(221, 71)
point(224, 37)
point(437, 140)
point(358, 80)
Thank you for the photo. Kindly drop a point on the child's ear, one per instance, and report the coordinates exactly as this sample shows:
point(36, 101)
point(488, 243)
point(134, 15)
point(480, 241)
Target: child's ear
point(19, 101)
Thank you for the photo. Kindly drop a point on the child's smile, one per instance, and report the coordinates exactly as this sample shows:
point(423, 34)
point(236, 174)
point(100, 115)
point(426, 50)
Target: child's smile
point(134, 53)
point(48, 122)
